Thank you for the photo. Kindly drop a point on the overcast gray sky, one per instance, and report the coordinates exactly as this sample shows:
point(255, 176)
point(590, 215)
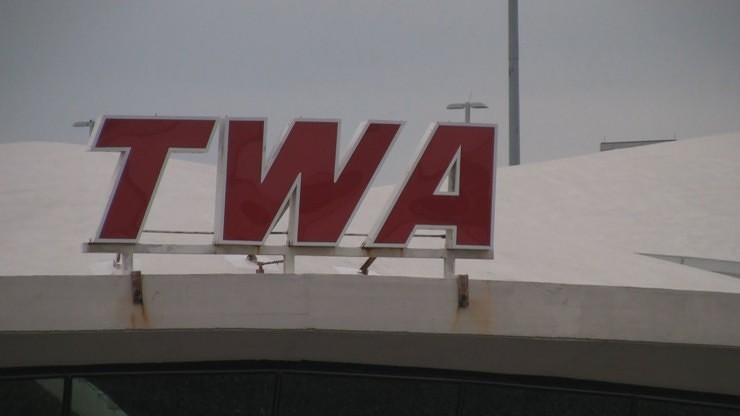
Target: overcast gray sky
point(646, 69)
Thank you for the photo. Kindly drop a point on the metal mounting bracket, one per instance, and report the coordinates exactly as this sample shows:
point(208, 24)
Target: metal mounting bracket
point(365, 268)
point(463, 297)
point(137, 292)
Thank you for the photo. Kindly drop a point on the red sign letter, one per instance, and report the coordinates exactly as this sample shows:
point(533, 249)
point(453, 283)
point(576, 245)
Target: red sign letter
point(255, 193)
point(467, 150)
point(144, 144)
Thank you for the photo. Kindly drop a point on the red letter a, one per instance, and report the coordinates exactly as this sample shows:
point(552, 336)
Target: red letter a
point(467, 210)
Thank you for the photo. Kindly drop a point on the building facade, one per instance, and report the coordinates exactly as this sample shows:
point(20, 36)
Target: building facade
point(577, 314)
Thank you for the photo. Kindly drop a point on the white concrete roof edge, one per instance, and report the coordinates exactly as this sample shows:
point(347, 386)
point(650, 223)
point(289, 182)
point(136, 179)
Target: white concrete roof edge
point(291, 302)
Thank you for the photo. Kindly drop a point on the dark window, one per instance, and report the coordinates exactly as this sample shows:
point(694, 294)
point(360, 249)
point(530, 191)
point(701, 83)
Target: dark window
point(289, 389)
point(42, 397)
point(322, 395)
point(664, 408)
point(491, 400)
point(176, 394)
point(484, 400)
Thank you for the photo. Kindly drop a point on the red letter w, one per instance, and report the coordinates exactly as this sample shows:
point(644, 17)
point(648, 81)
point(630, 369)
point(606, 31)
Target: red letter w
point(253, 194)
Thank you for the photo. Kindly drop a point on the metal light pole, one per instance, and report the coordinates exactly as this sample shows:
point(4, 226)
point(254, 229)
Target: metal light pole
point(88, 123)
point(467, 106)
point(513, 83)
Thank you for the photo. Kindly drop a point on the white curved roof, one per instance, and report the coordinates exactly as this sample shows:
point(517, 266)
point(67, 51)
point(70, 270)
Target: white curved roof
point(578, 220)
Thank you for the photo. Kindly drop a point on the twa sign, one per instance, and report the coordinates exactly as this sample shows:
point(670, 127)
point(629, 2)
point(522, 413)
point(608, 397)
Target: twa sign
point(304, 177)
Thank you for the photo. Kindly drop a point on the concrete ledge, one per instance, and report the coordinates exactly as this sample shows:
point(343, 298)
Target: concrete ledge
point(652, 337)
point(370, 304)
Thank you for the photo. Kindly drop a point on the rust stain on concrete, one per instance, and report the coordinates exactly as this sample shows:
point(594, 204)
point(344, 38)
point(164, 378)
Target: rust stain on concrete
point(476, 318)
point(139, 317)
